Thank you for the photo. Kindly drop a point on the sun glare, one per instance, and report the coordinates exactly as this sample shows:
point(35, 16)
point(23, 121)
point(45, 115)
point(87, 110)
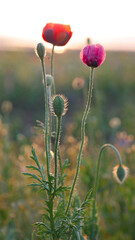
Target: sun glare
point(103, 21)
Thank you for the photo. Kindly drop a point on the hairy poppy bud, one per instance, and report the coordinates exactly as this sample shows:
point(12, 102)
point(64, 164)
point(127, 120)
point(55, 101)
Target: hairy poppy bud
point(93, 55)
point(57, 34)
point(59, 105)
point(49, 79)
point(120, 173)
point(40, 50)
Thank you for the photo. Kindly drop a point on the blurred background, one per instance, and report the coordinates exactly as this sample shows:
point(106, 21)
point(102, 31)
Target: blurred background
point(111, 120)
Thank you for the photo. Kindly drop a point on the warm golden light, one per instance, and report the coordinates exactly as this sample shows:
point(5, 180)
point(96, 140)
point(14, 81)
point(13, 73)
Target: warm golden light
point(110, 23)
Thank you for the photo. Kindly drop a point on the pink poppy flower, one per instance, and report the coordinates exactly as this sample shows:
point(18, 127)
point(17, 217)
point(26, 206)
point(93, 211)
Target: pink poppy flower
point(93, 55)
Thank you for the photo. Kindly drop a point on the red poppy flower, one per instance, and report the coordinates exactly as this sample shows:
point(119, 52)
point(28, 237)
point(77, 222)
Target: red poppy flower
point(93, 55)
point(57, 34)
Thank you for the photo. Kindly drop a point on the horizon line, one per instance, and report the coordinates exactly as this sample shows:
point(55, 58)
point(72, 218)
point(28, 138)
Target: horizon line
point(9, 43)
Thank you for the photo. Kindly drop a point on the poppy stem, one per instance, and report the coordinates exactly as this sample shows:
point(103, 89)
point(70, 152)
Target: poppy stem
point(46, 120)
point(93, 236)
point(52, 69)
point(47, 149)
point(56, 152)
point(50, 119)
point(82, 136)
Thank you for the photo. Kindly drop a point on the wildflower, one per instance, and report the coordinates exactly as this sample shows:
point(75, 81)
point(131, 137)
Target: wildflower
point(93, 55)
point(57, 34)
point(120, 173)
point(59, 105)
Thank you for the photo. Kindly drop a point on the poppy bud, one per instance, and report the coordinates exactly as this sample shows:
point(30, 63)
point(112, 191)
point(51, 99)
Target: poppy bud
point(49, 79)
point(40, 50)
point(120, 173)
point(59, 105)
point(93, 55)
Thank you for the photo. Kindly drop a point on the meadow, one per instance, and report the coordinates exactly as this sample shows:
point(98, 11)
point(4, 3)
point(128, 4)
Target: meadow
point(111, 120)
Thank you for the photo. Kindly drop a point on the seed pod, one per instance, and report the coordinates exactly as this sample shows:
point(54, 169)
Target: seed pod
point(59, 105)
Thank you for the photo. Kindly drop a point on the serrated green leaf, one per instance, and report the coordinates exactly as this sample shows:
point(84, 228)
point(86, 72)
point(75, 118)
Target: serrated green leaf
point(33, 176)
point(47, 217)
point(65, 164)
point(88, 195)
point(34, 184)
point(33, 168)
point(40, 129)
point(48, 204)
point(66, 161)
point(62, 189)
point(47, 209)
point(60, 209)
point(43, 173)
point(34, 157)
point(40, 124)
point(42, 224)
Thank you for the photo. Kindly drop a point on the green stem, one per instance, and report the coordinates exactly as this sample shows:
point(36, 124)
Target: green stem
point(56, 151)
point(50, 119)
point(53, 84)
point(60, 161)
point(46, 121)
point(60, 164)
point(97, 177)
point(82, 136)
point(52, 70)
point(52, 218)
point(69, 236)
point(47, 150)
point(50, 98)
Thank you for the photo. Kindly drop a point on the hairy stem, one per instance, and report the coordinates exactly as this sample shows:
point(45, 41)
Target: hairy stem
point(96, 182)
point(47, 150)
point(52, 218)
point(53, 84)
point(46, 120)
point(50, 119)
point(82, 136)
point(56, 151)
point(52, 70)
point(60, 161)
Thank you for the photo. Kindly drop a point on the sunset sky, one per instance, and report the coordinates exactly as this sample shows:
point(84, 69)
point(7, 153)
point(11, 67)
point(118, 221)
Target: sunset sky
point(110, 23)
